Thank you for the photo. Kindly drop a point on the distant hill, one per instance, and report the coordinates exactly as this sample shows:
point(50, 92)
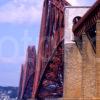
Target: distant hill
point(8, 91)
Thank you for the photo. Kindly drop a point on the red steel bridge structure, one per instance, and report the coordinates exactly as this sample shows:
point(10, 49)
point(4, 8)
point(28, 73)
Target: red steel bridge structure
point(49, 71)
point(50, 62)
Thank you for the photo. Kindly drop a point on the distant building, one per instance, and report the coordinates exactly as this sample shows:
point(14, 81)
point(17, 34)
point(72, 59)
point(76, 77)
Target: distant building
point(27, 75)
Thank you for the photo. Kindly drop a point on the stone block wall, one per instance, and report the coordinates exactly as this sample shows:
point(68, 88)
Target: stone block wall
point(98, 58)
point(72, 72)
point(88, 69)
point(79, 71)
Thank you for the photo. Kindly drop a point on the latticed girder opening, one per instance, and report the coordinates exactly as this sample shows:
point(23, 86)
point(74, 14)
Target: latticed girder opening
point(51, 84)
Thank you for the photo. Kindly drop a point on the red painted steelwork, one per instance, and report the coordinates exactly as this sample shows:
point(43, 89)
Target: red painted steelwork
point(51, 34)
point(27, 75)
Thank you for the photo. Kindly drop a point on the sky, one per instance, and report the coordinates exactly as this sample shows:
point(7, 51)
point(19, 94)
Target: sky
point(19, 27)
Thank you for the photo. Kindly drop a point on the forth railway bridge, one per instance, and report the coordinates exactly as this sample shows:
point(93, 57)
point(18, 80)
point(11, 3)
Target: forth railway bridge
point(67, 63)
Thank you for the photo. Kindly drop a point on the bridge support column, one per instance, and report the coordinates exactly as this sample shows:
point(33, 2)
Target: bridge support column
point(98, 59)
point(88, 70)
point(72, 72)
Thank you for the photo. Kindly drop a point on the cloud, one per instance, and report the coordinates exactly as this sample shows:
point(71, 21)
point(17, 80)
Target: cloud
point(21, 11)
point(73, 2)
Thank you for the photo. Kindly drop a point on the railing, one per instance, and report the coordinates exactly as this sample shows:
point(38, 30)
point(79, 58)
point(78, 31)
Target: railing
point(87, 22)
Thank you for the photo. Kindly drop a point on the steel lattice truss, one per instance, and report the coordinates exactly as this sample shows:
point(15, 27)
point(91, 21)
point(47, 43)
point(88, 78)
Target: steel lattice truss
point(49, 76)
point(51, 84)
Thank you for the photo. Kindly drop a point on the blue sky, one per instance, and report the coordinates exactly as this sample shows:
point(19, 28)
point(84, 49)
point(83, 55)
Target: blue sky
point(19, 27)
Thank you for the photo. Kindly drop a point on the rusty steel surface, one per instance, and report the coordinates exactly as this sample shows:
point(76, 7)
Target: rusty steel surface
point(51, 83)
point(51, 34)
point(27, 75)
point(47, 74)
